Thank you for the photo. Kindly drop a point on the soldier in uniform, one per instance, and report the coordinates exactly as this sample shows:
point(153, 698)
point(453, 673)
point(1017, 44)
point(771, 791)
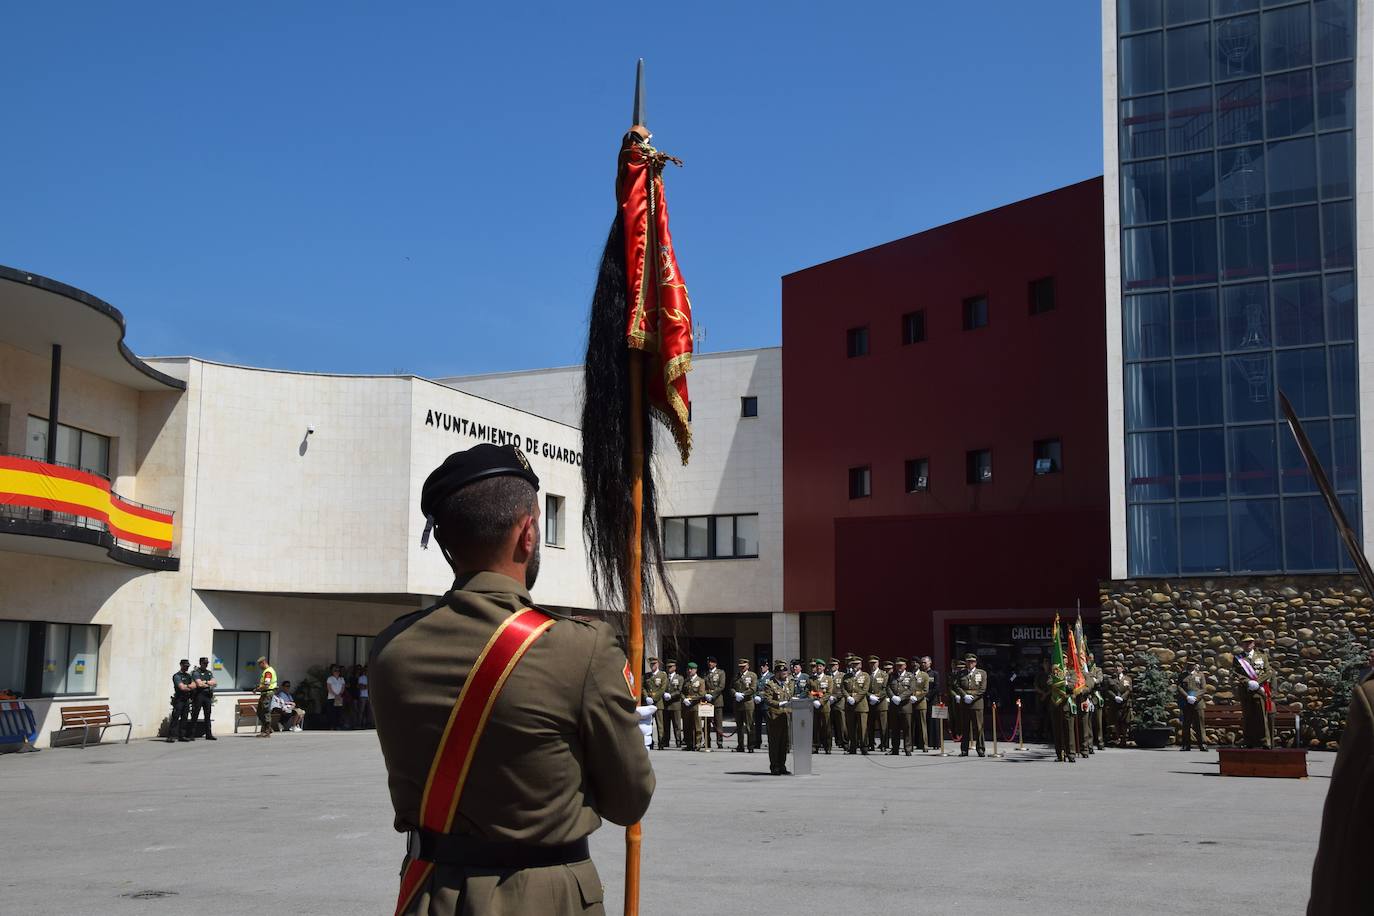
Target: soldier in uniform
point(562, 747)
point(971, 684)
point(899, 696)
point(746, 684)
point(1061, 711)
point(1116, 695)
point(183, 685)
point(856, 689)
point(920, 691)
point(715, 695)
point(1098, 700)
point(877, 704)
point(1082, 697)
point(203, 697)
point(834, 707)
point(760, 707)
point(932, 698)
point(672, 706)
point(1254, 675)
point(819, 688)
point(1339, 882)
point(1192, 688)
point(267, 688)
point(777, 694)
point(655, 683)
point(693, 692)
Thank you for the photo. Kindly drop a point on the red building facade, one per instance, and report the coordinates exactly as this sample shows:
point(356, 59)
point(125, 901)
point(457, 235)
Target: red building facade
point(945, 471)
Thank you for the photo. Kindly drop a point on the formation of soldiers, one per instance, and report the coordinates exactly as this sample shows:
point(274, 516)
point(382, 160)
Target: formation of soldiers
point(1085, 717)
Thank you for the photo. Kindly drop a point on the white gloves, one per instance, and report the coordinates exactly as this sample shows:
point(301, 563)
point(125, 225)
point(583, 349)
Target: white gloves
point(667, 697)
point(872, 698)
point(757, 698)
point(646, 723)
point(1254, 685)
point(708, 698)
point(816, 703)
point(968, 698)
point(1119, 699)
point(688, 702)
point(1191, 698)
point(851, 700)
point(739, 697)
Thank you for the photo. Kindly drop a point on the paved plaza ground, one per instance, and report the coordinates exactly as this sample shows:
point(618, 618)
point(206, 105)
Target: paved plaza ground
point(301, 824)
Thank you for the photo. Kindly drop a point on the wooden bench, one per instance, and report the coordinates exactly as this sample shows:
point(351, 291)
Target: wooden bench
point(1231, 716)
point(89, 717)
point(245, 708)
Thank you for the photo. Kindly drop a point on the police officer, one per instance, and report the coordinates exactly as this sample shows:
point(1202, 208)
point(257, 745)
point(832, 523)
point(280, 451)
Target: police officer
point(203, 697)
point(715, 695)
point(183, 684)
point(745, 686)
point(655, 683)
point(777, 694)
point(672, 706)
point(564, 748)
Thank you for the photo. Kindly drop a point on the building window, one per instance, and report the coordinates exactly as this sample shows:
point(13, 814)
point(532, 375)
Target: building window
point(236, 654)
point(1042, 295)
point(914, 327)
point(856, 342)
point(917, 475)
point(975, 313)
point(749, 406)
point(350, 650)
point(49, 659)
point(711, 537)
point(980, 466)
point(860, 482)
point(554, 525)
point(1049, 456)
point(76, 448)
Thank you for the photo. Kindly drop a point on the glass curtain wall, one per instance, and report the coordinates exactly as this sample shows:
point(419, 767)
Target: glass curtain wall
point(1236, 150)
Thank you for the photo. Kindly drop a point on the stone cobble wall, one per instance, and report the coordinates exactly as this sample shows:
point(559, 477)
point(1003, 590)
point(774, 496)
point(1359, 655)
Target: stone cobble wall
point(1301, 622)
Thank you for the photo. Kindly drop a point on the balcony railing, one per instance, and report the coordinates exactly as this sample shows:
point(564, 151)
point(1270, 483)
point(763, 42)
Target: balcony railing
point(47, 494)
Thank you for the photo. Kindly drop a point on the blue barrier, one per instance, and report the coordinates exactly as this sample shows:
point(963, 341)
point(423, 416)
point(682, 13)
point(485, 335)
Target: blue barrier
point(16, 723)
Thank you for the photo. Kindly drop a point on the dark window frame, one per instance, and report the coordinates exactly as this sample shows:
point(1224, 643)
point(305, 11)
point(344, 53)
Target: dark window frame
point(856, 342)
point(1040, 449)
point(37, 651)
point(973, 319)
point(861, 481)
point(914, 327)
point(974, 468)
point(1036, 297)
point(712, 549)
point(749, 406)
point(234, 671)
point(915, 469)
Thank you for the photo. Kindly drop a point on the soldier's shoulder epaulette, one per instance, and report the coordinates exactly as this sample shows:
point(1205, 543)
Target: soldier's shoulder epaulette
point(580, 620)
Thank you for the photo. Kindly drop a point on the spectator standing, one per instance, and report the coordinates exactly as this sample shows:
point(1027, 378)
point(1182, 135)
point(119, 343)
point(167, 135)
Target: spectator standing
point(364, 700)
point(335, 689)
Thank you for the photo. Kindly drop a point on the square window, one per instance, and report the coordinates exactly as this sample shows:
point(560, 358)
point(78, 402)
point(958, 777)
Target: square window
point(856, 341)
point(914, 327)
point(860, 482)
point(749, 406)
point(979, 462)
point(1042, 295)
point(975, 313)
point(1049, 457)
point(917, 475)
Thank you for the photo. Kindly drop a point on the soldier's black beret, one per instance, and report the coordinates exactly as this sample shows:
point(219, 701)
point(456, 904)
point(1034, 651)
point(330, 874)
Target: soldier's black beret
point(796, 661)
point(471, 465)
point(711, 658)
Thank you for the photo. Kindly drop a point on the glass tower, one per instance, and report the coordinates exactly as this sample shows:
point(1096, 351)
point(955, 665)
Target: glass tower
point(1236, 157)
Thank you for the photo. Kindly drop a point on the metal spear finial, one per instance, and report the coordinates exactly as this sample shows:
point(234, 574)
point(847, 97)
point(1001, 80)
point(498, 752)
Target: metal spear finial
point(638, 118)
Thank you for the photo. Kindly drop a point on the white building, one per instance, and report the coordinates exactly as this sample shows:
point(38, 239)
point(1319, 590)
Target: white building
point(289, 523)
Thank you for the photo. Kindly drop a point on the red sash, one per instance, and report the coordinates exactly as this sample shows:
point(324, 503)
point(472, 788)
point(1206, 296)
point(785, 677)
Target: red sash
point(449, 770)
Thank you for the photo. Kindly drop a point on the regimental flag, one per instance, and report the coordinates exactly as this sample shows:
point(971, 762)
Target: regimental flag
point(1058, 674)
point(1080, 677)
point(658, 311)
point(1082, 640)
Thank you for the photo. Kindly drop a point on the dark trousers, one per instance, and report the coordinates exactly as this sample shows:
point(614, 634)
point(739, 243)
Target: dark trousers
point(1099, 718)
point(820, 729)
point(877, 728)
point(672, 719)
point(973, 728)
point(176, 726)
point(760, 724)
point(719, 725)
point(1194, 723)
point(1256, 721)
point(920, 724)
point(1085, 730)
point(836, 716)
point(1119, 721)
point(899, 727)
point(744, 725)
point(1061, 723)
point(201, 702)
point(856, 727)
point(778, 743)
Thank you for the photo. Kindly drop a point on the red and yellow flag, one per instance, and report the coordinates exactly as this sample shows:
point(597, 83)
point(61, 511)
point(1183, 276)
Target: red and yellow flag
point(659, 313)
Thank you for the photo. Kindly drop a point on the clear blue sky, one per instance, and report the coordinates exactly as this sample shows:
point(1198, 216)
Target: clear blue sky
point(426, 187)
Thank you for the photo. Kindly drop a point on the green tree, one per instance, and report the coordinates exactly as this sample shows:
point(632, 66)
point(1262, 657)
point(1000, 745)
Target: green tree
point(1338, 681)
point(1153, 692)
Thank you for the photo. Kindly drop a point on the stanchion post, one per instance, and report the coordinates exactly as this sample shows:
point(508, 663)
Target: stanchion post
point(994, 731)
point(942, 737)
point(1020, 729)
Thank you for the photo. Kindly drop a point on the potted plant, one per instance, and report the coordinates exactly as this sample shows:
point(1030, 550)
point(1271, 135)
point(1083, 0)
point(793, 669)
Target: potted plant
point(1150, 699)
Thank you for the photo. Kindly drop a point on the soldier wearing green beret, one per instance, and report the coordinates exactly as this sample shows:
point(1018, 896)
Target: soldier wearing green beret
point(777, 694)
point(566, 743)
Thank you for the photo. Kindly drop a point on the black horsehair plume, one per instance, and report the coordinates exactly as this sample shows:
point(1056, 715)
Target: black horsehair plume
point(608, 510)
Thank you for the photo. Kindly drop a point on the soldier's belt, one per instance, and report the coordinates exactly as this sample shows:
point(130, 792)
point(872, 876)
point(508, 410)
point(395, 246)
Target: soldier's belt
point(460, 851)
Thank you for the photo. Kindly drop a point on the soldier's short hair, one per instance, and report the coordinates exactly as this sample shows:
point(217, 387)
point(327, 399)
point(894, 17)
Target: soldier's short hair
point(475, 522)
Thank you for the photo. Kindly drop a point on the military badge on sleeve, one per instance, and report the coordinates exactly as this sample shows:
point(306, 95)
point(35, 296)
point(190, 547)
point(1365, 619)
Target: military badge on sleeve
point(629, 678)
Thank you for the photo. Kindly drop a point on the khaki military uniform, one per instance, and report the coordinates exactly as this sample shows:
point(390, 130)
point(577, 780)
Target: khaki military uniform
point(715, 688)
point(561, 748)
point(834, 709)
point(745, 685)
point(1082, 697)
point(819, 687)
point(877, 712)
point(856, 686)
point(655, 683)
point(777, 694)
point(1116, 697)
point(1194, 715)
point(920, 710)
point(1259, 730)
point(972, 684)
point(1340, 885)
point(1098, 714)
point(1061, 712)
point(693, 690)
point(899, 687)
point(672, 710)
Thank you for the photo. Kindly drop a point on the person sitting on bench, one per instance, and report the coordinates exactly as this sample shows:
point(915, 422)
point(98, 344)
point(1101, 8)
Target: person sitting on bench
point(288, 715)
